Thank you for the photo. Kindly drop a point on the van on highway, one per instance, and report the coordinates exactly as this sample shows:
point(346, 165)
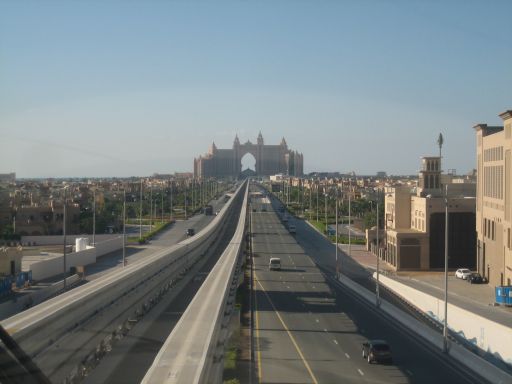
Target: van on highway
point(274, 264)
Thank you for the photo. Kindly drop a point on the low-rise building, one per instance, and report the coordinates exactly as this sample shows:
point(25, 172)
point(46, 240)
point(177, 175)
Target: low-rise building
point(415, 222)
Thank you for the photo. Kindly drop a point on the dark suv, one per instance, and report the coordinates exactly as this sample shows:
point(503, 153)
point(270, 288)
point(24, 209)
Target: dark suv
point(476, 278)
point(378, 351)
point(191, 232)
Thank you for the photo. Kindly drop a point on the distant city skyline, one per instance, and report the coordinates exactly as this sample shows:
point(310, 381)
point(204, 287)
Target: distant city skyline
point(99, 89)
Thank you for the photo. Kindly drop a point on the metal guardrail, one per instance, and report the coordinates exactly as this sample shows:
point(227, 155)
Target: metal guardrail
point(193, 351)
point(40, 326)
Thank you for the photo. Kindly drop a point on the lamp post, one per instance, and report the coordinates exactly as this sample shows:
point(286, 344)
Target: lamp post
point(140, 217)
point(310, 207)
point(349, 223)
point(93, 217)
point(317, 186)
point(170, 216)
point(377, 291)
point(336, 241)
point(150, 207)
point(124, 227)
point(445, 322)
point(325, 214)
point(185, 198)
point(64, 232)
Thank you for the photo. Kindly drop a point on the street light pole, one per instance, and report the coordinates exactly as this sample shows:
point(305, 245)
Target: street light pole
point(317, 186)
point(140, 217)
point(349, 223)
point(93, 217)
point(185, 189)
point(170, 217)
point(124, 227)
point(377, 292)
point(64, 250)
point(151, 207)
point(445, 322)
point(336, 242)
point(325, 214)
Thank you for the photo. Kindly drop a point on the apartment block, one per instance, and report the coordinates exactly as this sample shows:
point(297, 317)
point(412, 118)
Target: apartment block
point(493, 208)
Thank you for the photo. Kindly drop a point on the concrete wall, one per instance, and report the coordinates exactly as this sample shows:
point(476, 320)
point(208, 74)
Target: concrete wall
point(54, 266)
point(70, 239)
point(486, 334)
point(109, 245)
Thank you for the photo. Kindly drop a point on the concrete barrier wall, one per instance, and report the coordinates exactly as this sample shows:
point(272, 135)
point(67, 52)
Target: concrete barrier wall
point(70, 239)
point(109, 245)
point(51, 267)
point(488, 335)
point(11, 307)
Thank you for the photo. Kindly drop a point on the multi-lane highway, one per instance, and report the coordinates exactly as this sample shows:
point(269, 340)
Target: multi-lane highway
point(309, 329)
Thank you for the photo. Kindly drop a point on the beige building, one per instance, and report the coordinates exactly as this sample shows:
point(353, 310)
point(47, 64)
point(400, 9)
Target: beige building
point(415, 222)
point(494, 209)
point(270, 160)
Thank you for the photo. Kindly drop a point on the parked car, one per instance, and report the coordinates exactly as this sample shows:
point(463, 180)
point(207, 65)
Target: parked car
point(191, 232)
point(274, 264)
point(462, 273)
point(377, 351)
point(476, 278)
point(292, 229)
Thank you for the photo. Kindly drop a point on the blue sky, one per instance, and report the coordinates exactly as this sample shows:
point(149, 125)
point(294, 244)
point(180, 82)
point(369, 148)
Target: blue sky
point(121, 88)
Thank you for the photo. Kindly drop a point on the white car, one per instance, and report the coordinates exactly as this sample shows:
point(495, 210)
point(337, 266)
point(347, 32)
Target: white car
point(274, 264)
point(462, 273)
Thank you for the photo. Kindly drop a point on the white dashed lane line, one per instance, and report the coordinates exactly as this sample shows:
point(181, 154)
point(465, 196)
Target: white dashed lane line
point(335, 342)
point(360, 372)
point(347, 355)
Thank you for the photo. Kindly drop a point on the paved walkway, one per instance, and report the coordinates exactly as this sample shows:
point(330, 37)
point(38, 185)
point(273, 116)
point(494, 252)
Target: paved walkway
point(477, 298)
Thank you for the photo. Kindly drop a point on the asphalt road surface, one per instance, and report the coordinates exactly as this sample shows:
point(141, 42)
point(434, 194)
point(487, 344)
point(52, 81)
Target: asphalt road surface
point(309, 329)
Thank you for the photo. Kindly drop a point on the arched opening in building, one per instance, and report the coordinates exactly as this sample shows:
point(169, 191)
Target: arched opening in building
point(248, 166)
point(248, 162)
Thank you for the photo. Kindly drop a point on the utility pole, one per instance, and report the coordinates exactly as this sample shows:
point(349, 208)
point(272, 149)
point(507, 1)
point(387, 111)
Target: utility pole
point(150, 207)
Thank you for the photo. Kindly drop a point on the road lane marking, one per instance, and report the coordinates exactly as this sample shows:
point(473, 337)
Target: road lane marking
point(258, 349)
point(335, 341)
point(325, 330)
point(360, 372)
point(317, 320)
point(347, 355)
point(308, 368)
